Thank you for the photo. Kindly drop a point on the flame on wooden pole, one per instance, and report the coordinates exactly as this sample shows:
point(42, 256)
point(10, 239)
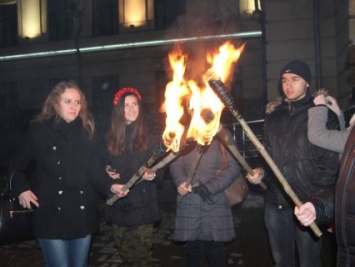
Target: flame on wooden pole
point(222, 92)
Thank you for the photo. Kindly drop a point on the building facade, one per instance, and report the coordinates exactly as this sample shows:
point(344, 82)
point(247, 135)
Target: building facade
point(108, 44)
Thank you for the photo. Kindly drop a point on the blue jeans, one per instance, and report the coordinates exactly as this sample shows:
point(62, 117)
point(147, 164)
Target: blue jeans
point(286, 234)
point(65, 252)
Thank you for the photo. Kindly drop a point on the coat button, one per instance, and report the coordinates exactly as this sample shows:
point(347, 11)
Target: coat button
point(82, 207)
point(81, 192)
point(59, 208)
point(60, 178)
point(54, 148)
point(280, 207)
point(60, 192)
point(58, 162)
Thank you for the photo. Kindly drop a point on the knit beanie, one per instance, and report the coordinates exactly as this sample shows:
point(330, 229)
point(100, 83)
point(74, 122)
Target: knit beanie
point(299, 68)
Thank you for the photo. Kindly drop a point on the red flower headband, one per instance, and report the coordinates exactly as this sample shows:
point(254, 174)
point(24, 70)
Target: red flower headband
point(126, 90)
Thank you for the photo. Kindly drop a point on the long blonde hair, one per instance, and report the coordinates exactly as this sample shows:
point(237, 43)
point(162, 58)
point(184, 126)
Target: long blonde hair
point(50, 107)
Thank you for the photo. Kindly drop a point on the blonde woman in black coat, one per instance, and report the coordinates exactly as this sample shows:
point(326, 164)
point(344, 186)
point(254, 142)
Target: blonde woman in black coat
point(69, 171)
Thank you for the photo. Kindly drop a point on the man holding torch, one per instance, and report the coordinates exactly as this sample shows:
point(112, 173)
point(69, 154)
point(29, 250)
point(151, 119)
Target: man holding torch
point(310, 170)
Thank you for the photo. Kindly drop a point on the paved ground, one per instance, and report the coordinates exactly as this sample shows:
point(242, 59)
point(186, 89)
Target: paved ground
point(250, 248)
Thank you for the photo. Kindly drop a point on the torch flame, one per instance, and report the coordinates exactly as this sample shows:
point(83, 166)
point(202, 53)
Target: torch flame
point(205, 106)
point(222, 63)
point(174, 93)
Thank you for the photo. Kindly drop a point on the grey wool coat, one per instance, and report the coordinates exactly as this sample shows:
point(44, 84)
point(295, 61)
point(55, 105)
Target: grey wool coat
point(196, 219)
point(319, 135)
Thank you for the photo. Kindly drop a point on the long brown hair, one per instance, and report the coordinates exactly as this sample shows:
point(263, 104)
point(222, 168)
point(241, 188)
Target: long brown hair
point(50, 107)
point(117, 131)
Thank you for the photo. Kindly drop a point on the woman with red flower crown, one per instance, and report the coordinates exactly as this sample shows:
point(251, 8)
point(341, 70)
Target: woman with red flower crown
point(128, 147)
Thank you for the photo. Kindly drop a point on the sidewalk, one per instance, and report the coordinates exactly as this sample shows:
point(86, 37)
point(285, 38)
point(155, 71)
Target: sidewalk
point(249, 249)
point(246, 250)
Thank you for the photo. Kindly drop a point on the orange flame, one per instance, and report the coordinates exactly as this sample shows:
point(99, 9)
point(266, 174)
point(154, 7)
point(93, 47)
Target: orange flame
point(174, 93)
point(205, 106)
point(222, 62)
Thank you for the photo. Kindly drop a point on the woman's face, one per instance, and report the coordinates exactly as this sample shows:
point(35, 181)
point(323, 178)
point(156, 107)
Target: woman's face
point(69, 104)
point(131, 108)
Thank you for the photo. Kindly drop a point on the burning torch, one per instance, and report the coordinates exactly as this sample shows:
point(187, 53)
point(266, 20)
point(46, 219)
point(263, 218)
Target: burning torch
point(222, 92)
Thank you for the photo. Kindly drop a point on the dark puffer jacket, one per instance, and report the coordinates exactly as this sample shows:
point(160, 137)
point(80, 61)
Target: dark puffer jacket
point(309, 169)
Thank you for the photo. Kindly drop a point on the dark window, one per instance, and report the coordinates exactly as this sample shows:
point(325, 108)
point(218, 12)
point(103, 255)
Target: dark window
point(105, 17)
point(162, 79)
point(103, 90)
point(54, 82)
point(8, 25)
point(251, 108)
point(61, 15)
point(167, 11)
point(8, 102)
point(237, 84)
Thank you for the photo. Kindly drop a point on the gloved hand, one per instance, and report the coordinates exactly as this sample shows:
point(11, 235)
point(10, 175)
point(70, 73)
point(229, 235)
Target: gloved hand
point(202, 190)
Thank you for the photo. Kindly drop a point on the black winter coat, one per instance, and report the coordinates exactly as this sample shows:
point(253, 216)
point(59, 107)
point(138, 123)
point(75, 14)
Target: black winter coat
point(309, 169)
point(69, 171)
point(345, 205)
point(140, 206)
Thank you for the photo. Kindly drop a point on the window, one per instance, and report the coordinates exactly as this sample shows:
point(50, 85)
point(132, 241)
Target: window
point(8, 25)
point(136, 15)
point(103, 91)
point(162, 79)
point(105, 17)
point(53, 82)
point(167, 11)
point(61, 16)
point(251, 108)
point(8, 102)
point(32, 18)
point(247, 7)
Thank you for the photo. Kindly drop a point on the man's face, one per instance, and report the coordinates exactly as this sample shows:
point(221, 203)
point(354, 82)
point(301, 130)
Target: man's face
point(293, 86)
